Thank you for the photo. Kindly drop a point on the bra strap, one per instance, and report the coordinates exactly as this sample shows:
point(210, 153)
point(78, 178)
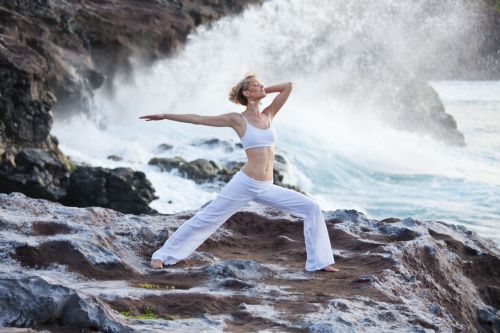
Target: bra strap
point(268, 119)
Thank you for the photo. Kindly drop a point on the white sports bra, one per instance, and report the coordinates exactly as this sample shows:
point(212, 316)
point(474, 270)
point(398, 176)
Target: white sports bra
point(256, 137)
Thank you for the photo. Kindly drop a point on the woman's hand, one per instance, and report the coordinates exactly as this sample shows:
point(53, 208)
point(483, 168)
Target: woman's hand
point(153, 117)
point(284, 90)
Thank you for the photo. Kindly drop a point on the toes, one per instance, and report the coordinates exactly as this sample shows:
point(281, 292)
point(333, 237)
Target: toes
point(156, 264)
point(329, 269)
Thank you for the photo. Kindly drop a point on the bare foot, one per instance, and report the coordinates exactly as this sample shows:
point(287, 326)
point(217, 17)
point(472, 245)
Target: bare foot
point(156, 263)
point(329, 269)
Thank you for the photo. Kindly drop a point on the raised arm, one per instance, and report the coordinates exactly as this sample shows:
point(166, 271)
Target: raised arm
point(223, 120)
point(284, 91)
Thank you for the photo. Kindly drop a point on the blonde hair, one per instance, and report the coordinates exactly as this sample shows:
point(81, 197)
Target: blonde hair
point(236, 94)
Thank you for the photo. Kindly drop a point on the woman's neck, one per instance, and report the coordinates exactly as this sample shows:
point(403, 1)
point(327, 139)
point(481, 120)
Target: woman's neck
point(253, 107)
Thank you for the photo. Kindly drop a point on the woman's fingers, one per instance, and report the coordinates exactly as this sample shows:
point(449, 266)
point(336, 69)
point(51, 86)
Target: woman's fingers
point(150, 117)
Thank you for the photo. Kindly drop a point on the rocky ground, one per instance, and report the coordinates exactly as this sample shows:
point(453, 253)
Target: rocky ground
point(64, 269)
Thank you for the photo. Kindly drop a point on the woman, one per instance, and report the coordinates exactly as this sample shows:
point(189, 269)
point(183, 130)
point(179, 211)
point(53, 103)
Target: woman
point(253, 182)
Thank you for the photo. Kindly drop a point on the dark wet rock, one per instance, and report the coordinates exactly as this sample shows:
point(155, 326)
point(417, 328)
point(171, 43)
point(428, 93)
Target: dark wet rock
point(200, 170)
point(390, 220)
point(166, 163)
point(235, 284)
point(490, 318)
point(164, 147)
point(216, 143)
point(29, 301)
point(115, 158)
point(435, 308)
point(37, 173)
point(121, 189)
point(86, 258)
point(385, 283)
point(341, 215)
point(229, 170)
point(25, 99)
point(241, 269)
point(399, 231)
point(151, 240)
point(280, 163)
point(280, 168)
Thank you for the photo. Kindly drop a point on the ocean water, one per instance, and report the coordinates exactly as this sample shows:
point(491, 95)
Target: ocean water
point(338, 147)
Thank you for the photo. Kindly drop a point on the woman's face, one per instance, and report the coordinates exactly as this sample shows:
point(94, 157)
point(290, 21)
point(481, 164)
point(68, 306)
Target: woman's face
point(255, 90)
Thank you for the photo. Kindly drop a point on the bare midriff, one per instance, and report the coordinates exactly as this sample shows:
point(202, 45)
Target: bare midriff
point(260, 163)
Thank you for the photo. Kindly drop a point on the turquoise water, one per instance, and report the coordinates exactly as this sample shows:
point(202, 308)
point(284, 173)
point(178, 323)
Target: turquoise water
point(455, 185)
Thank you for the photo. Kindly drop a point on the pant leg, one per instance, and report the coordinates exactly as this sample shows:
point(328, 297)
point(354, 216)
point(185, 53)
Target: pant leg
point(318, 247)
point(192, 233)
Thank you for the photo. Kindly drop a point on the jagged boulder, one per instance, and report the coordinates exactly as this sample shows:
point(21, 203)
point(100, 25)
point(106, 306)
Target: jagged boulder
point(167, 163)
point(216, 143)
point(164, 147)
point(121, 189)
point(200, 170)
point(229, 170)
point(29, 301)
point(37, 173)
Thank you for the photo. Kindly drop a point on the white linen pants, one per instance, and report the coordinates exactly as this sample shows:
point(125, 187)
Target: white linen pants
point(240, 190)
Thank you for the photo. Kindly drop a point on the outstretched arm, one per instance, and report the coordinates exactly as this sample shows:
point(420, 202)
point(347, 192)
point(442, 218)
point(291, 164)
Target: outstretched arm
point(223, 120)
point(284, 91)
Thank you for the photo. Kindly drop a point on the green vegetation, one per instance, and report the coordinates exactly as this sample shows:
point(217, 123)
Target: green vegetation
point(149, 286)
point(497, 6)
point(68, 165)
point(147, 314)
point(154, 286)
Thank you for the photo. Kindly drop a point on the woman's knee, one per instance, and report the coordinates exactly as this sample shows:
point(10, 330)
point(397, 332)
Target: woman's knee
point(312, 206)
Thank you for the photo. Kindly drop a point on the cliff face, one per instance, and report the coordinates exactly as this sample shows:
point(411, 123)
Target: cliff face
point(68, 268)
point(490, 50)
point(53, 54)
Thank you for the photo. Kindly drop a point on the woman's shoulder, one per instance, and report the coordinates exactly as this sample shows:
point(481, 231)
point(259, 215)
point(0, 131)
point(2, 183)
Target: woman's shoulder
point(236, 118)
